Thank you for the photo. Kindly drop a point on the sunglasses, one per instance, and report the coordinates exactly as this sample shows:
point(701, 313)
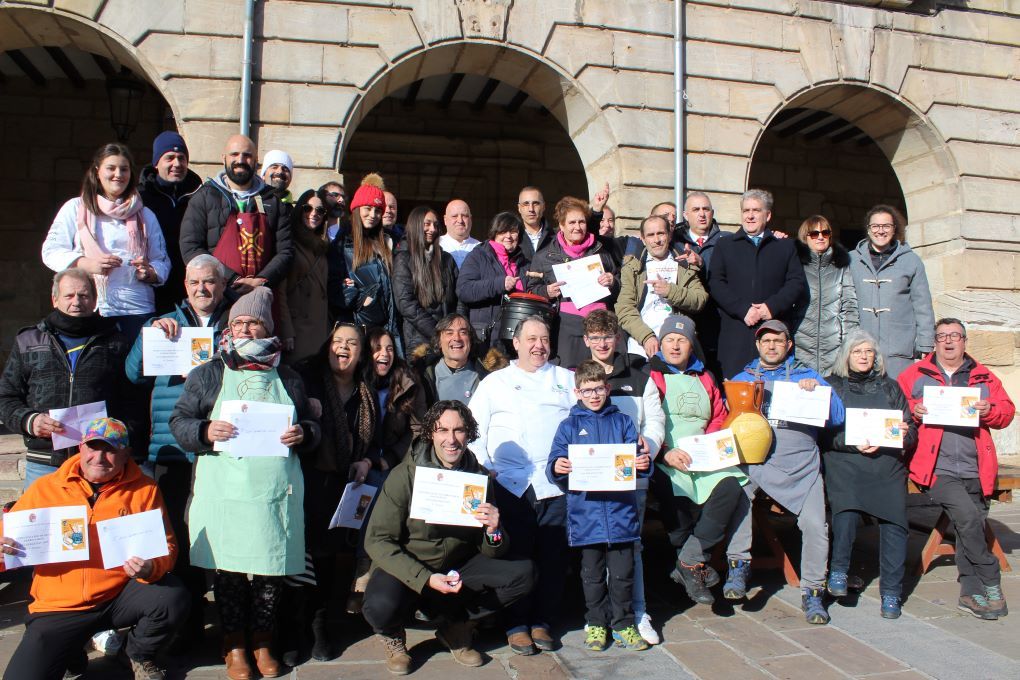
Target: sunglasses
point(820, 232)
point(319, 210)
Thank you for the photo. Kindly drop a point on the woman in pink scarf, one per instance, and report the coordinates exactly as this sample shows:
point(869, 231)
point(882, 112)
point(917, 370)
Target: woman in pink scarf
point(107, 232)
point(572, 243)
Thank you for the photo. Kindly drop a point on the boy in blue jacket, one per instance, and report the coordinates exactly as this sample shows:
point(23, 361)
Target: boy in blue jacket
point(603, 523)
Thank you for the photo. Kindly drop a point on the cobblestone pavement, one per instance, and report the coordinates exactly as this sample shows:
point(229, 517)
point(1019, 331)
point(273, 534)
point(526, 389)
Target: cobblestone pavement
point(763, 637)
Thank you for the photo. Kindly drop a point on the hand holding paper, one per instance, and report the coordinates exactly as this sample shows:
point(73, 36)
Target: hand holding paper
point(75, 420)
point(130, 540)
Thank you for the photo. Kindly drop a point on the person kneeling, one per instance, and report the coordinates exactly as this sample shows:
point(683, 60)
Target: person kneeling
point(453, 572)
point(74, 600)
point(603, 523)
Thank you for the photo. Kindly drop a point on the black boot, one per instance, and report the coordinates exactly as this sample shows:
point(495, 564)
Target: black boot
point(322, 647)
point(293, 626)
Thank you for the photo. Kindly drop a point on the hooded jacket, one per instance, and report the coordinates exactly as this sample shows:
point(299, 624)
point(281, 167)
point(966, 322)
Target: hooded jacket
point(78, 586)
point(831, 311)
point(409, 549)
point(168, 202)
point(595, 517)
point(894, 303)
point(687, 295)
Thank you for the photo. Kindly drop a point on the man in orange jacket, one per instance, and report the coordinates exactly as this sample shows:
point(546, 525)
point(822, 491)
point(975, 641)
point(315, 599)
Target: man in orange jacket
point(73, 600)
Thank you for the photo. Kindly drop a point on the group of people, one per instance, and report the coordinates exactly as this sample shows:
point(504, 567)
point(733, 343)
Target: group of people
point(383, 341)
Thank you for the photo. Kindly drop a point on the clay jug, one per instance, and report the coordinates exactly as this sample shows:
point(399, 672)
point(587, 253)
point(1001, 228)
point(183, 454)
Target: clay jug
point(750, 429)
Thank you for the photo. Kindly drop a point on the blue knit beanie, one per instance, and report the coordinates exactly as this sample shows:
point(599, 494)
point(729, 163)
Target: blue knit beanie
point(167, 141)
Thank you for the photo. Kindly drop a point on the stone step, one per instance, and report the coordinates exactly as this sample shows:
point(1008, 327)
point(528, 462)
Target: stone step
point(12, 467)
point(10, 490)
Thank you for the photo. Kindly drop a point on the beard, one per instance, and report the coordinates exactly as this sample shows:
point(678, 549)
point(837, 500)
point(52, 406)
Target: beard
point(238, 173)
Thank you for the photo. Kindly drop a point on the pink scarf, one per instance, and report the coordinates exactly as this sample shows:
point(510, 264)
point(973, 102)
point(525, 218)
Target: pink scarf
point(509, 266)
point(576, 252)
point(128, 211)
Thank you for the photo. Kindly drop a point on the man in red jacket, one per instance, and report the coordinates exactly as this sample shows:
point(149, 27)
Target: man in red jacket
point(957, 466)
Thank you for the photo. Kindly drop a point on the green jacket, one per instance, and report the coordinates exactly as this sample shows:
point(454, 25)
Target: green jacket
point(409, 549)
point(687, 295)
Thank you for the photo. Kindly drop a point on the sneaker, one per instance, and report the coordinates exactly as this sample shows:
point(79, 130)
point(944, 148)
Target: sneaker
point(891, 607)
point(814, 608)
point(978, 606)
point(597, 639)
point(146, 669)
point(692, 578)
point(644, 627)
point(735, 587)
point(108, 642)
point(398, 661)
point(996, 602)
point(837, 584)
point(543, 639)
point(457, 638)
point(521, 643)
point(630, 638)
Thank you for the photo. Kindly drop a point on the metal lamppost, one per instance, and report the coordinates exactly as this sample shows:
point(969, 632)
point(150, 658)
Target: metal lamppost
point(125, 93)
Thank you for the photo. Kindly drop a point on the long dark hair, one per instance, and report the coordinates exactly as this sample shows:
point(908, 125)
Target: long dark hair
point(90, 186)
point(426, 270)
point(399, 370)
point(316, 239)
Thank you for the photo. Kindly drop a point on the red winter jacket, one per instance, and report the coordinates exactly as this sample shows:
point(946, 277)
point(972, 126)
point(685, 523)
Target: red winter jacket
point(929, 437)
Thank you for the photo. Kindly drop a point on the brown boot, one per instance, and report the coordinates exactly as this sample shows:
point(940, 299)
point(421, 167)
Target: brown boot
point(457, 638)
point(398, 661)
point(362, 573)
point(235, 655)
point(268, 666)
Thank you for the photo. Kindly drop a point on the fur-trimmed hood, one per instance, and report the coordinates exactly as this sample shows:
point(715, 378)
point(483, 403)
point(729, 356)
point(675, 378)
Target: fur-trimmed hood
point(423, 357)
point(839, 255)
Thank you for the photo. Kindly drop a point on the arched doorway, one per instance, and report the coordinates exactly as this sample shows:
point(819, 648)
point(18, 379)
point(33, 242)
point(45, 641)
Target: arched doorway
point(477, 120)
point(56, 77)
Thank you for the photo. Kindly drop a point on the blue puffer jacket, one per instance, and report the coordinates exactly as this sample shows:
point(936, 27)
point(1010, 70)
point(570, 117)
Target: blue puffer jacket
point(595, 517)
point(166, 389)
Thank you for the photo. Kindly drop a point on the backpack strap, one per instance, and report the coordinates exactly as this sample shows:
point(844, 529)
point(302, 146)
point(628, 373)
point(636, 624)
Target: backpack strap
point(660, 382)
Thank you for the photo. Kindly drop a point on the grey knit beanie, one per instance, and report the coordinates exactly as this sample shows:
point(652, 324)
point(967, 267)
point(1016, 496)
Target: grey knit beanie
point(257, 303)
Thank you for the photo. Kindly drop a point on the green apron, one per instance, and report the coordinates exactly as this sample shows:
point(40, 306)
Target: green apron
point(246, 515)
point(688, 411)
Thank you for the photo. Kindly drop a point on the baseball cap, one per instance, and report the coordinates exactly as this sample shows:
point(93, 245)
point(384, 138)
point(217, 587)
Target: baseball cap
point(109, 430)
point(771, 326)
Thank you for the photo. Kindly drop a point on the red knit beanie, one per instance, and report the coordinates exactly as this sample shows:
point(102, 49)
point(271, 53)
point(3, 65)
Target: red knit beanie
point(370, 192)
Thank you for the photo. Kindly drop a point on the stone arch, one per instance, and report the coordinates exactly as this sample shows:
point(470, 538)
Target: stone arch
point(567, 101)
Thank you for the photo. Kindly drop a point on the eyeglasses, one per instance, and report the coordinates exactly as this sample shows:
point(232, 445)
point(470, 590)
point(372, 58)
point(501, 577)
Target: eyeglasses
point(319, 210)
point(881, 227)
point(594, 391)
point(820, 232)
point(238, 324)
point(954, 336)
point(599, 339)
point(863, 353)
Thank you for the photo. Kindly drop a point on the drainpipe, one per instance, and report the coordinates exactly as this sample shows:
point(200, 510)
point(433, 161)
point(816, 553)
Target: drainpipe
point(248, 41)
point(678, 105)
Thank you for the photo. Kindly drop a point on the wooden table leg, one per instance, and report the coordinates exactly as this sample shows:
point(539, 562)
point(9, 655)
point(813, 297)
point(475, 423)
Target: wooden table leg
point(761, 513)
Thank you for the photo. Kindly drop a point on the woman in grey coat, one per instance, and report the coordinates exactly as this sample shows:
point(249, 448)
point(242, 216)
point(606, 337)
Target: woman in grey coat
point(831, 312)
point(892, 291)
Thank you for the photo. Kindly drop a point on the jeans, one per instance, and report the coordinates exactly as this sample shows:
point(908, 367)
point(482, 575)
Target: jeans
point(34, 471)
point(892, 553)
point(967, 507)
point(610, 601)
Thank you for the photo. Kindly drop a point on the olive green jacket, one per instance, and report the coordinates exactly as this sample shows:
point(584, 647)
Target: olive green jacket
point(687, 295)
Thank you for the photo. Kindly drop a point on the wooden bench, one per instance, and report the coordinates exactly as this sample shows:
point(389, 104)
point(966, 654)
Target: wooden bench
point(936, 546)
point(763, 509)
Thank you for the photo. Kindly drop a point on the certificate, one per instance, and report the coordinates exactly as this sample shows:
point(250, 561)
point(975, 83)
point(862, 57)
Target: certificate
point(874, 427)
point(581, 280)
point(661, 269)
point(602, 467)
point(951, 406)
point(447, 496)
point(75, 420)
point(139, 535)
point(794, 405)
point(47, 535)
point(175, 356)
point(259, 427)
point(353, 505)
point(710, 452)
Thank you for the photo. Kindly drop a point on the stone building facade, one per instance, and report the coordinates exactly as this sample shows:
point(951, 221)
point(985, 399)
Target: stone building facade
point(935, 86)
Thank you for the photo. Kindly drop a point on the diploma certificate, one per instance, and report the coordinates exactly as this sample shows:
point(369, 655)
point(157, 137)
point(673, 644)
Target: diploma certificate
point(259, 427)
point(447, 496)
point(794, 405)
point(874, 427)
point(47, 535)
point(602, 467)
point(353, 506)
point(581, 280)
point(175, 356)
point(139, 535)
point(951, 406)
point(709, 452)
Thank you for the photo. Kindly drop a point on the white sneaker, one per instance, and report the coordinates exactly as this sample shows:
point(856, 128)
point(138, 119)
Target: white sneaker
point(647, 632)
point(108, 642)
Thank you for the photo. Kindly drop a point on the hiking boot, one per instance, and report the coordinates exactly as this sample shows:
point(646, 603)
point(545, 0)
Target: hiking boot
point(398, 661)
point(735, 587)
point(146, 669)
point(644, 627)
point(978, 606)
point(267, 664)
point(630, 638)
point(457, 638)
point(711, 577)
point(543, 639)
point(814, 608)
point(996, 602)
point(597, 639)
point(692, 578)
point(891, 607)
point(837, 584)
point(521, 643)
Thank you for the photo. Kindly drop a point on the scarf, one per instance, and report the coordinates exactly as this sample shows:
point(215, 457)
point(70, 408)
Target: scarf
point(77, 326)
point(509, 266)
point(249, 354)
point(366, 418)
point(576, 252)
point(127, 210)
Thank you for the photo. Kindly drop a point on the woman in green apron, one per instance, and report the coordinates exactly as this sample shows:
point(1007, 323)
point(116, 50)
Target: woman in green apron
point(245, 514)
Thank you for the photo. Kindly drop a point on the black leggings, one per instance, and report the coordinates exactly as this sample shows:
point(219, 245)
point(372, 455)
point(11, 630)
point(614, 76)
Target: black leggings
point(241, 601)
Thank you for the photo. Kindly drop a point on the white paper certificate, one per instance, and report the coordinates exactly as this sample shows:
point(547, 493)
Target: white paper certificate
point(48, 535)
point(353, 505)
point(75, 420)
point(259, 427)
point(710, 452)
point(794, 405)
point(661, 269)
point(602, 467)
point(874, 427)
point(176, 356)
point(951, 406)
point(581, 280)
point(447, 496)
point(139, 535)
